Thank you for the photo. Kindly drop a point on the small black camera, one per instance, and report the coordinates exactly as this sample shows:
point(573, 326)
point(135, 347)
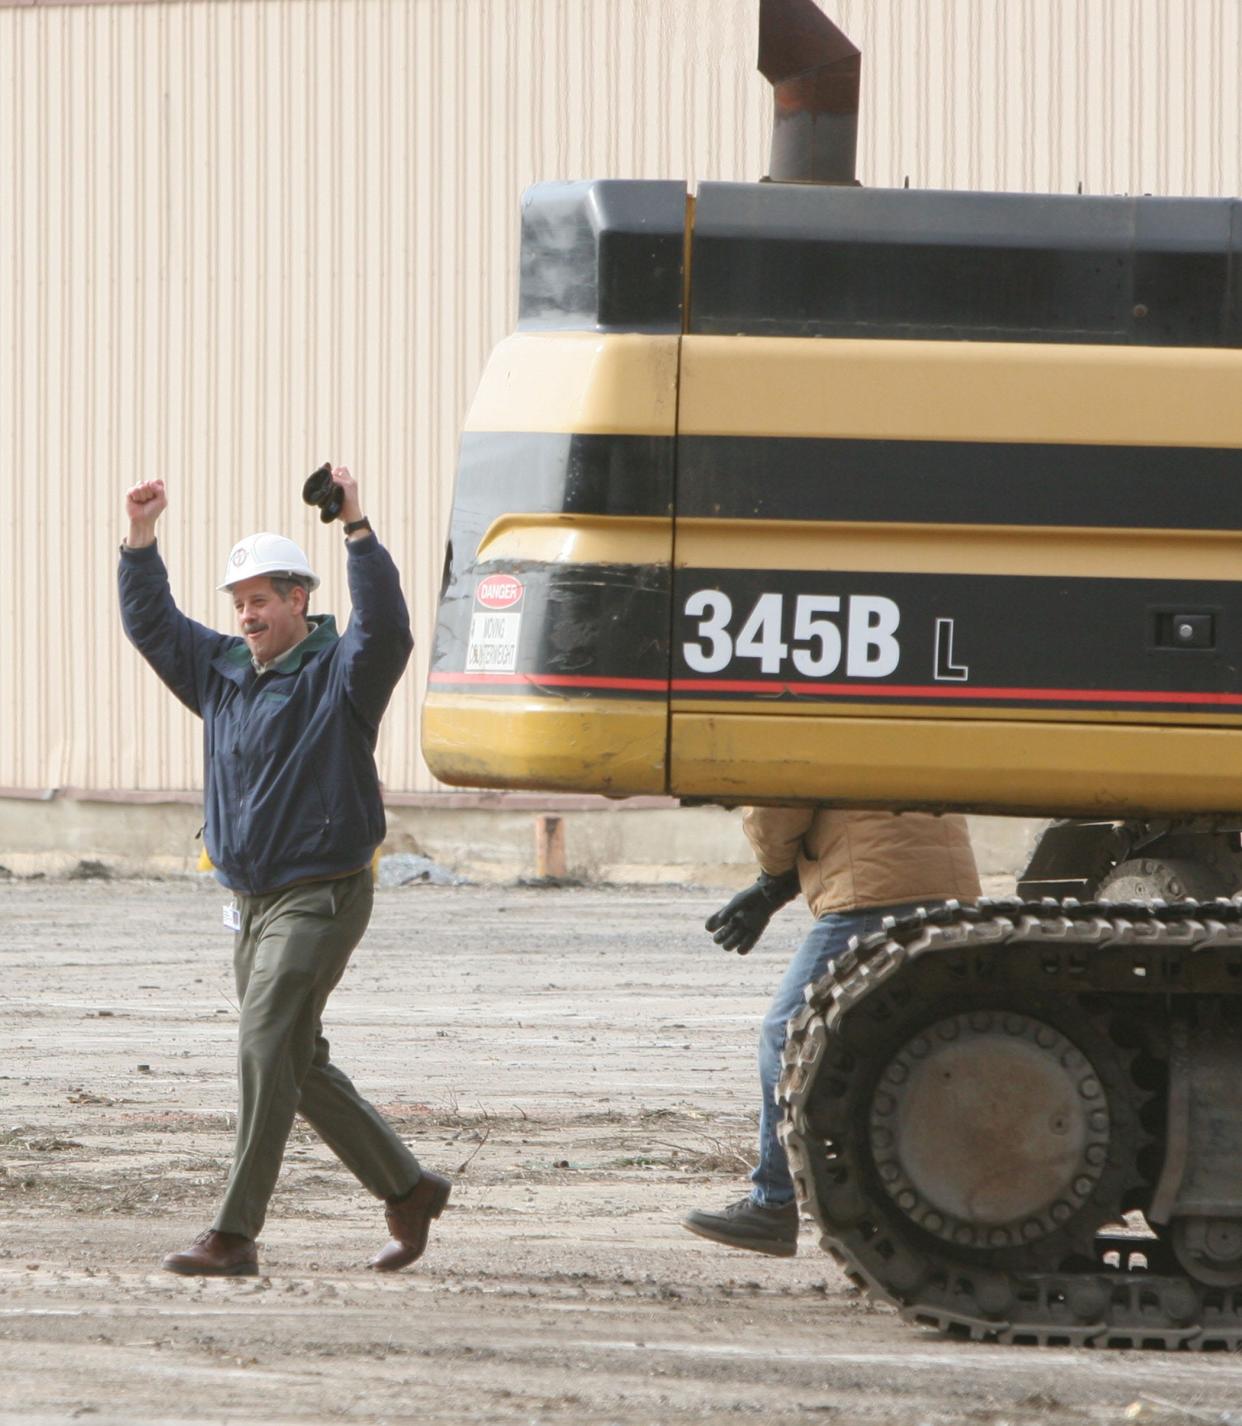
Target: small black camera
point(320, 489)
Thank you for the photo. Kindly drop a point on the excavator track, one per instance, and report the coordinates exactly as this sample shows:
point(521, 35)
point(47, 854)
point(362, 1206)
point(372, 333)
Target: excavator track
point(977, 1110)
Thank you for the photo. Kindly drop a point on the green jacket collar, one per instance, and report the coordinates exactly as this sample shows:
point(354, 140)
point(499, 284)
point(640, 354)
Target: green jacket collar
point(322, 635)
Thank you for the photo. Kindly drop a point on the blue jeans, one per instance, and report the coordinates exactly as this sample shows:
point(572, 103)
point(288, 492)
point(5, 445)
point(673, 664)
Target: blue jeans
point(829, 936)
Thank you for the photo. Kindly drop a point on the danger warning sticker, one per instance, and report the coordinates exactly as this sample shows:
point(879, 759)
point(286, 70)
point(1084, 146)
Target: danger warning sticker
point(495, 625)
point(499, 591)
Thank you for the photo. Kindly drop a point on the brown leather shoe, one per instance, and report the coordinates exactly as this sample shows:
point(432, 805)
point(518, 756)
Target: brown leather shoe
point(214, 1254)
point(409, 1221)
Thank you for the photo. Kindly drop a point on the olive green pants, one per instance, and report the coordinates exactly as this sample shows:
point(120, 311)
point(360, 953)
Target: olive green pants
point(290, 951)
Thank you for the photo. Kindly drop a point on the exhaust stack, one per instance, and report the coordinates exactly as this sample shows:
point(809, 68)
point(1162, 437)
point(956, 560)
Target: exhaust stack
point(813, 69)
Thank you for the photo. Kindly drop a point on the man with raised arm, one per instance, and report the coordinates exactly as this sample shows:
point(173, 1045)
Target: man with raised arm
point(291, 711)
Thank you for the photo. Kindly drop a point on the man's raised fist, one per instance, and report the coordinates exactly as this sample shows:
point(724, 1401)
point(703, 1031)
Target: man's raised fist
point(145, 503)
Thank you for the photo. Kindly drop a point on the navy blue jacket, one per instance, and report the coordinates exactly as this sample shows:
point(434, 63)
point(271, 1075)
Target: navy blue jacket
point(291, 788)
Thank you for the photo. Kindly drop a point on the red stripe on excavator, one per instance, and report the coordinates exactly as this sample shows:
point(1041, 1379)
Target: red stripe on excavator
point(832, 690)
point(553, 680)
point(933, 690)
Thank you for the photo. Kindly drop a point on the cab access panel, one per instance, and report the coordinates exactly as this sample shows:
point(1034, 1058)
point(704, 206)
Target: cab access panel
point(952, 480)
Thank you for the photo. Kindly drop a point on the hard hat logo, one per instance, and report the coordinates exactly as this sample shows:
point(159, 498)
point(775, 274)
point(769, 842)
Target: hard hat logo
point(269, 554)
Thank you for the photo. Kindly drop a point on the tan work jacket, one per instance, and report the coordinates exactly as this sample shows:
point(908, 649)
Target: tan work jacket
point(851, 860)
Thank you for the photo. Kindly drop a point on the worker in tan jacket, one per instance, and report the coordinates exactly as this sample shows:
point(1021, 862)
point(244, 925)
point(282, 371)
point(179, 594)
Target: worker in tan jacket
point(854, 868)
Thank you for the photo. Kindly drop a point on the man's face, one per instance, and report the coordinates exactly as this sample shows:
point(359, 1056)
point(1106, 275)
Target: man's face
point(269, 624)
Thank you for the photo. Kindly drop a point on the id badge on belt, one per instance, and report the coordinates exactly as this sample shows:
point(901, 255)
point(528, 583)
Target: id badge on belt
point(232, 915)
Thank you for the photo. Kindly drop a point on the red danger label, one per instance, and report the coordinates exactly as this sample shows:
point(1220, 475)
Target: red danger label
point(499, 591)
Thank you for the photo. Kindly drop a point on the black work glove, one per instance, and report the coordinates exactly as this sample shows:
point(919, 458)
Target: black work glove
point(740, 922)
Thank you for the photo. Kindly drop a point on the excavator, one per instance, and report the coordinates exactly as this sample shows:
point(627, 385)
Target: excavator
point(801, 491)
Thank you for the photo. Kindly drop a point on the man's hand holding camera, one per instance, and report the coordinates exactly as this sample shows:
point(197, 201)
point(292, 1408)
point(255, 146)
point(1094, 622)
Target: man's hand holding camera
point(351, 507)
point(335, 492)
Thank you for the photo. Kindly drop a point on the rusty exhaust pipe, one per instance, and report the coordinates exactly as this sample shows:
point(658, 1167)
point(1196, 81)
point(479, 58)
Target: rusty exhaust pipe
point(813, 69)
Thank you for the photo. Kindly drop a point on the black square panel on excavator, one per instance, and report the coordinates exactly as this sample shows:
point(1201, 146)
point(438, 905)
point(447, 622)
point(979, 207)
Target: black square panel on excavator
point(805, 260)
point(602, 255)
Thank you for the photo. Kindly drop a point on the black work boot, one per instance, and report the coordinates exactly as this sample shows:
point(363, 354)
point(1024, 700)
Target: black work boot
point(747, 1224)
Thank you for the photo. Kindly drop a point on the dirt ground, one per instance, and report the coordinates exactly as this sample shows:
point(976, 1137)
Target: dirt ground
point(580, 1061)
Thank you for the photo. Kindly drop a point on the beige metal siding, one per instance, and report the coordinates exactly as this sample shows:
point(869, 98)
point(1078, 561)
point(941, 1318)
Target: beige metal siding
point(245, 236)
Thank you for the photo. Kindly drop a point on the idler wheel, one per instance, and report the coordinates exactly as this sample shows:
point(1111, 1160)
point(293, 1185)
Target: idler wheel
point(989, 1129)
point(1210, 1249)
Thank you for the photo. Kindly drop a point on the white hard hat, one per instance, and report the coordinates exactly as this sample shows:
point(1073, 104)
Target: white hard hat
point(266, 554)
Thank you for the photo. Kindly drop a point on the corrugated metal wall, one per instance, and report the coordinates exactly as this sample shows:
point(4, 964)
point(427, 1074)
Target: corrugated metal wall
point(241, 237)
